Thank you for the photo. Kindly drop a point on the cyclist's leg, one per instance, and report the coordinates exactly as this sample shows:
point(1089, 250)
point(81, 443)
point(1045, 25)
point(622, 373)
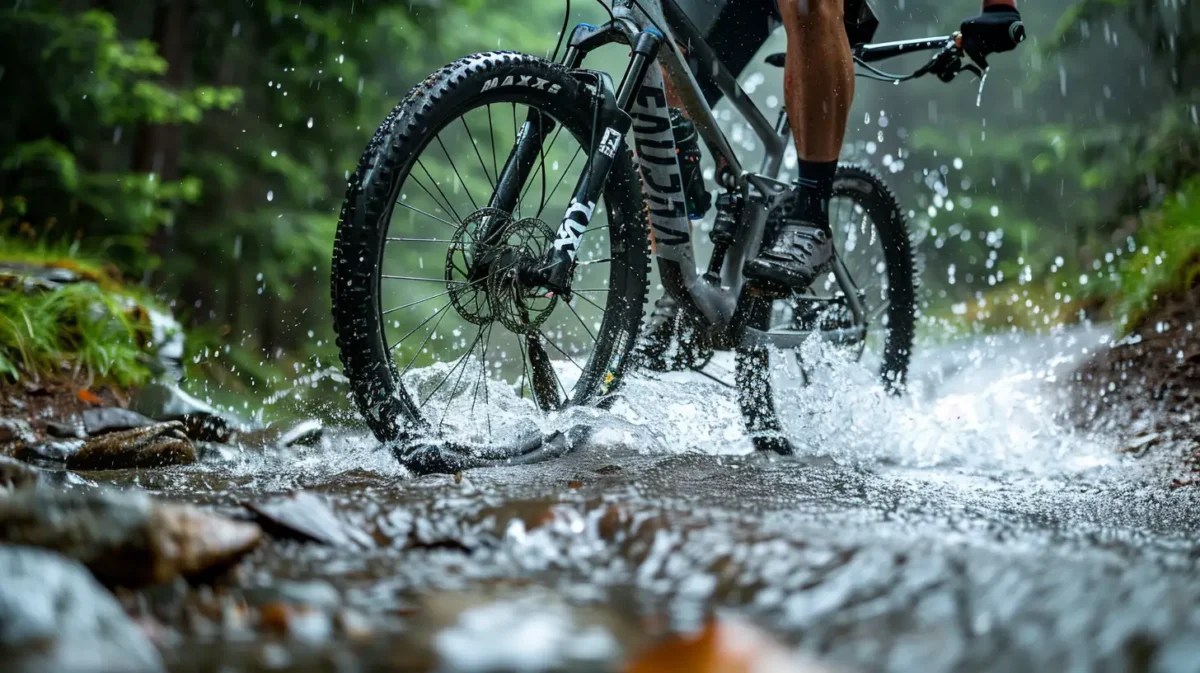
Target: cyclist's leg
point(818, 89)
point(818, 77)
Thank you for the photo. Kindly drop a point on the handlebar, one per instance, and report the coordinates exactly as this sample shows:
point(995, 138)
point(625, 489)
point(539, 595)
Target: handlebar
point(947, 63)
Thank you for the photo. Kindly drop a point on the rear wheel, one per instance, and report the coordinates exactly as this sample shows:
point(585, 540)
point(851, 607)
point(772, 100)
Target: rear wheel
point(436, 330)
point(871, 240)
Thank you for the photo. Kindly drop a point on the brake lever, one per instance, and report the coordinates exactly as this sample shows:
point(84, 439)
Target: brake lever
point(973, 69)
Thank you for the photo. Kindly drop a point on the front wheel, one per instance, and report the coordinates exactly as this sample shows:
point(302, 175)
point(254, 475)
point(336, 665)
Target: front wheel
point(437, 333)
point(871, 242)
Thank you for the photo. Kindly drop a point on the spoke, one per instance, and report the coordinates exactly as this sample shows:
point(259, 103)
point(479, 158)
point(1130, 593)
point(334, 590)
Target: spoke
point(492, 139)
point(581, 322)
point(423, 323)
point(591, 228)
point(542, 150)
point(431, 216)
point(591, 302)
point(573, 290)
point(524, 371)
point(414, 303)
point(477, 154)
point(426, 240)
point(444, 206)
point(594, 261)
point(877, 311)
point(466, 189)
point(483, 382)
point(439, 190)
point(423, 341)
point(560, 181)
point(542, 167)
point(564, 353)
point(516, 139)
point(461, 362)
point(428, 280)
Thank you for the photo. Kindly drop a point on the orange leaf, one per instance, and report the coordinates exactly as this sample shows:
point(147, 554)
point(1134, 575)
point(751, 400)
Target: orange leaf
point(724, 646)
point(88, 396)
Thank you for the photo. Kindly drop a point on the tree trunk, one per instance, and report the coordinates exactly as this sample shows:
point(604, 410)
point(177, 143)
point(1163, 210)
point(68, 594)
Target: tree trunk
point(159, 146)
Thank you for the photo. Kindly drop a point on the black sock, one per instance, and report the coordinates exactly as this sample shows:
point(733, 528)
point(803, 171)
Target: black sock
point(816, 188)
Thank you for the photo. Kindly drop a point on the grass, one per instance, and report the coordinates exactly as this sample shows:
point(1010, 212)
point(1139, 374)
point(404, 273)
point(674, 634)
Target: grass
point(1167, 259)
point(98, 331)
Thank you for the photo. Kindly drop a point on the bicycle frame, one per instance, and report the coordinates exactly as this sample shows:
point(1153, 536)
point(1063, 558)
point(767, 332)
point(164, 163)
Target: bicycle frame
point(655, 31)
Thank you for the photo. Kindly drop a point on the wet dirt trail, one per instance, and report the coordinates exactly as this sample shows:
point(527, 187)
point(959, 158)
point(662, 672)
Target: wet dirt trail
point(961, 528)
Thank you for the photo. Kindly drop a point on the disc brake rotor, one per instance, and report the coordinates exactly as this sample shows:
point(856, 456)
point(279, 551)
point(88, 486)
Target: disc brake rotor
point(467, 289)
point(521, 309)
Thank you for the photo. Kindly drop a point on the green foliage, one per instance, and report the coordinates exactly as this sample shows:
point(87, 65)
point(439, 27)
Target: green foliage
point(78, 330)
point(1166, 259)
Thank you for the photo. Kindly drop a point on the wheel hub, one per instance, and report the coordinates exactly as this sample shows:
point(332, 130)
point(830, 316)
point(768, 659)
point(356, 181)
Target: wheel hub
point(489, 257)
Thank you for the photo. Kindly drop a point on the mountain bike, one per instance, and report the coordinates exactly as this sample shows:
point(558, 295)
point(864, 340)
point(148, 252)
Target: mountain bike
point(461, 310)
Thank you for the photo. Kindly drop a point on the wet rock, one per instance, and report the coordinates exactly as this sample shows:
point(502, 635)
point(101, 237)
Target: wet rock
point(53, 451)
point(167, 402)
point(125, 538)
point(151, 446)
point(721, 646)
point(304, 433)
point(216, 452)
point(35, 277)
point(15, 431)
point(108, 419)
point(55, 617)
point(15, 474)
point(316, 594)
point(307, 517)
point(65, 430)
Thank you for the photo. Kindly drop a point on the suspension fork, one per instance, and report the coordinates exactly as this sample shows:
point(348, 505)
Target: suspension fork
point(613, 116)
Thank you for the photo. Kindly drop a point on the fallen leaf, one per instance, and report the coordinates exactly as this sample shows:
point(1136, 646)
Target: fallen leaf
point(88, 396)
point(722, 646)
point(574, 483)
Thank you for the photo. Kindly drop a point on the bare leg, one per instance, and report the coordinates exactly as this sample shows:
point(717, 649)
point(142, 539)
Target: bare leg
point(818, 83)
point(818, 79)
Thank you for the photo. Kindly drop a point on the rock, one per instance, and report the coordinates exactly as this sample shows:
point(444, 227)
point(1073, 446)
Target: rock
point(15, 431)
point(166, 402)
point(55, 617)
point(107, 419)
point(53, 451)
point(15, 474)
point(151, 446)
point(125, 538)
point(304, 433)
point(1139, 444)
point(65, 430)
point(317, 594)
point(167, 337)
point(306, 517)
point(35, 277)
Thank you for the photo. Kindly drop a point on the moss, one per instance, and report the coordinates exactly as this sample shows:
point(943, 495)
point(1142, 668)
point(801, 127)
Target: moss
point(97, 330)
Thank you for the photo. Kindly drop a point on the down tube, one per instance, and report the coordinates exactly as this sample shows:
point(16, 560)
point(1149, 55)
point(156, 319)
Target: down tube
point(661, 177)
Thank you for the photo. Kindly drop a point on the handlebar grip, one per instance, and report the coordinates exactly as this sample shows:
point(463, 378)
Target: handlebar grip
point(1017, 32)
